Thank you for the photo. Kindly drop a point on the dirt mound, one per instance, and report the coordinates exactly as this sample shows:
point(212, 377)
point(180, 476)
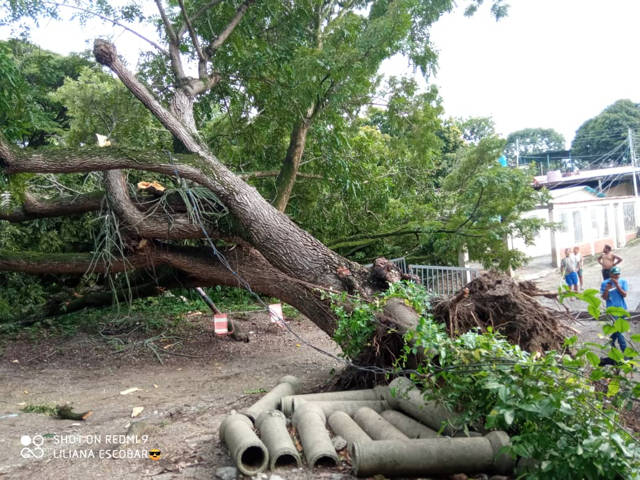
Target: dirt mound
point(494, 299)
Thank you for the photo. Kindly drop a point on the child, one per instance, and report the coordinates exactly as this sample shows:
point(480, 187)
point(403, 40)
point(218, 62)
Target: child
point(568, 269)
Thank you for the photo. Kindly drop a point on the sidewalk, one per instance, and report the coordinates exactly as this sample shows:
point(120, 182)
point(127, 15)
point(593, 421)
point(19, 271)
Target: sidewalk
point(548, 277)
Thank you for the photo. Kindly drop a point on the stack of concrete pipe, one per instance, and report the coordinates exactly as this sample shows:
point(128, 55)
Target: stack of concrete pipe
point(389, 430)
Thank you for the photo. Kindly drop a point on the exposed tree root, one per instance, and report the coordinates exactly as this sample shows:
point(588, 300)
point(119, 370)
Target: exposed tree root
point(495, 300)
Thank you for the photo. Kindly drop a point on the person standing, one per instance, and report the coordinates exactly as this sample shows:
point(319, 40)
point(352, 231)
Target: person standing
point(614, 290)
point(568, 270)
point(608, 260)
point(579, 261)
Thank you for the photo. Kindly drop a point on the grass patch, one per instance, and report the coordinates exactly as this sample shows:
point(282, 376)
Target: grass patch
point(44, 409)
point(167, 313)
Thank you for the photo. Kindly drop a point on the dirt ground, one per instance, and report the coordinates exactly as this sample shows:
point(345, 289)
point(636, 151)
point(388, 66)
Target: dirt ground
point(201, 379)
point(184, 401)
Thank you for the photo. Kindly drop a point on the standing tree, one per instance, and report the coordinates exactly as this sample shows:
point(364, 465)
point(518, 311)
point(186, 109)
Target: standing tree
point(599, 138)
point(474, 129)
point(532, 140)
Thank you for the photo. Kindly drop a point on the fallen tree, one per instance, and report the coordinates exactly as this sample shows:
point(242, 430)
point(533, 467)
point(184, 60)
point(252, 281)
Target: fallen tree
point(263, 247)
point(257, 246)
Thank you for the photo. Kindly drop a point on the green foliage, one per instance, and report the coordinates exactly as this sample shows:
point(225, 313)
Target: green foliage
point(34, 117)
point(98, 104)
point(475, 129)
point(19, 112)
point(44, 409)
point(357, 321)
point(604, 132)
point(481, 203)
point(547, 402)
point(532, 140)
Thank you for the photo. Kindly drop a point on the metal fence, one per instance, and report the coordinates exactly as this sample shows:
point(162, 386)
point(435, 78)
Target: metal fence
point(401, 263)
point(437, 279)
point(443, 280)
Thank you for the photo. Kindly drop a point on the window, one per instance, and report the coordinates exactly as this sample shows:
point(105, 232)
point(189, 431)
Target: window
point(577, 226)
point(564, 222)
point(629, 215)
point(605, 232)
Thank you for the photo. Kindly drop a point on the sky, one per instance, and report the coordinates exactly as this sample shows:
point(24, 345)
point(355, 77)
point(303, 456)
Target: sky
point(548, 64)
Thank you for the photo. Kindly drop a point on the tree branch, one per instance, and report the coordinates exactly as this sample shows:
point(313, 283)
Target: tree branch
point(175, 227)
point(218, 42)
point(277, 236)
point(33, 208)
point(174, 44)
point(110, 20)
point(68, 263)
point(199, 12)
point(274, 173)
point(202, 56)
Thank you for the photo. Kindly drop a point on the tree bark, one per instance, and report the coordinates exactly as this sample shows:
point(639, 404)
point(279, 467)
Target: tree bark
point(284, 244)
point(289, 171)
point(274, 256)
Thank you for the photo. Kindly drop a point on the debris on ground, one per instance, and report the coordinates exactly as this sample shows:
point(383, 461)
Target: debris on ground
point(495, 300)
point(65, 412)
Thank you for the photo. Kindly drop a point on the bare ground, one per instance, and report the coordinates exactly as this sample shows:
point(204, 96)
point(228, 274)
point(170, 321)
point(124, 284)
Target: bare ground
point(184, 399)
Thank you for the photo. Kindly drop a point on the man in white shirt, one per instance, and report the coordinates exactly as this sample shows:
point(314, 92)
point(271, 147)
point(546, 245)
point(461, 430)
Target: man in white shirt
point(579, 262)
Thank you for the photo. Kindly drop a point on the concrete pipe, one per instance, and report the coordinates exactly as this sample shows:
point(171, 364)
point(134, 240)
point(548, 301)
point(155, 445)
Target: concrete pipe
point(288, 403)
point(245, 448)
point(350, 407)
point(272, 425)
point(432, 456)
point(310, 422)
point(287, 385)
point(343, 425)
point(407, 425)
point(376, 426)
point(404, 396)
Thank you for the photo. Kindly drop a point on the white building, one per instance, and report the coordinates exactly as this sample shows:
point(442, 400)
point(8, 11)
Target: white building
point(591, 209)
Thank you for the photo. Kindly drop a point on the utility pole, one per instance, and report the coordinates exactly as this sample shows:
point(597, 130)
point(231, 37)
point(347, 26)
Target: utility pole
point(517, 152)
point(633, 163)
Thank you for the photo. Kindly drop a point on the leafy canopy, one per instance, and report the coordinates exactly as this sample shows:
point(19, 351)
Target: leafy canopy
point(532, 140)
point(599, 138)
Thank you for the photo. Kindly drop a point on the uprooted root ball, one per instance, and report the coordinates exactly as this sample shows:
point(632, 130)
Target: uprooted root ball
point(494, 299)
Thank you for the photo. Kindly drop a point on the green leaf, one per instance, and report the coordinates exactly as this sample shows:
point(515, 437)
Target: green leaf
point(594, 311)
point(593, 359)
point(508, 416)
point(621, 325)
point(616, 355)
point(613, 388)
point(571, 341)
point(617, 312)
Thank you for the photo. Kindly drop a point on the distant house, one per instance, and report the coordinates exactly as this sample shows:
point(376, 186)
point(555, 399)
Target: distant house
point(591, 208)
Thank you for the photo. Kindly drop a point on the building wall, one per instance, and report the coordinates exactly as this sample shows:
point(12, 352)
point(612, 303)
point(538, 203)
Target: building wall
point(540, 246)
point(588, 224)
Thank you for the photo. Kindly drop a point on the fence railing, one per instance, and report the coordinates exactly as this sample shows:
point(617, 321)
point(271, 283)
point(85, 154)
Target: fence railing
point(443, 280)
point(438, 279)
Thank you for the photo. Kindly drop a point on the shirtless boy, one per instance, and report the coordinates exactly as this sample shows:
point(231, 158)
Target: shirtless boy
point(608, 260)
